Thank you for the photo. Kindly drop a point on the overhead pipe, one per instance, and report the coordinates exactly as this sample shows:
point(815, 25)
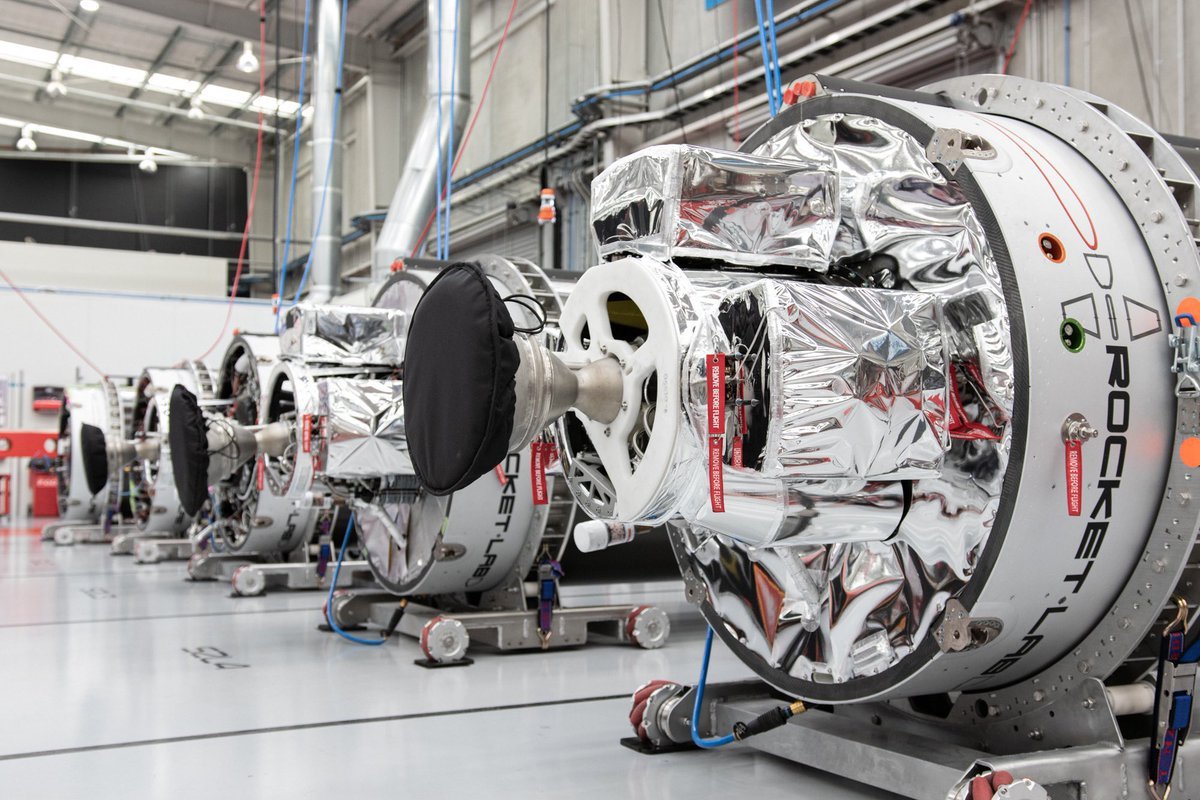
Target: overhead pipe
point(449, 23)
point(328, 148)
point(572, 135)
point(127, 227)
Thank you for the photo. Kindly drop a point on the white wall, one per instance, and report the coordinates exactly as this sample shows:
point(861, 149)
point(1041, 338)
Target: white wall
point(122, 332)
point(51, 265)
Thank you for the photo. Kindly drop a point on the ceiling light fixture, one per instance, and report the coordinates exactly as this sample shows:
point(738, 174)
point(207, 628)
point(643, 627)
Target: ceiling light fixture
point(148, 164)
point(56, 88)
point(89, 6)
point(195, 110)
point(247, 61)
point(26, 144)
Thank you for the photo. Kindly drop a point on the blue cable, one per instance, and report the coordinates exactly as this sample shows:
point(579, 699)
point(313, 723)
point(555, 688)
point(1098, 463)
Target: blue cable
point(768, 73)
point(774, 55)
point(337, 105)
point(697, 739)
point(450, 147)
point(337, 570)
point(287, 241)
point(437, 206)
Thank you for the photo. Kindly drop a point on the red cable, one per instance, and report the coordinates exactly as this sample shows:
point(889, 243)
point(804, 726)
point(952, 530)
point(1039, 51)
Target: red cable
point(262, 88)
point(737, 118)
point(50, 325)
point(462, 148)
point(1012, 47)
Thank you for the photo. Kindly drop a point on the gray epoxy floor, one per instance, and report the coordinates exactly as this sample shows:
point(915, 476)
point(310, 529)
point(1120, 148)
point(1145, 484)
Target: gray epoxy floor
point(106, 693)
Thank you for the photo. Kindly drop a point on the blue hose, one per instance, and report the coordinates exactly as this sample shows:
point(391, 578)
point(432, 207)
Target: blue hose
point(697, 739)
point(287, 237)
point(770, 14)
point(437, 207)
point(337, 570)
point(445, 246)
point(768, 72)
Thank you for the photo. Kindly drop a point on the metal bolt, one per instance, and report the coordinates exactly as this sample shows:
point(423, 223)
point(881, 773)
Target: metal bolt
point(624, 405)
point(1036, 734)
point(1083, 126)
point(1038, 695)
point(1123, 165)
point(1156, 216)
point(1185, 498)
point(1089, 703)
point(1084, 667)
point(608, 431)
point(604, 349)
point(1181, 279)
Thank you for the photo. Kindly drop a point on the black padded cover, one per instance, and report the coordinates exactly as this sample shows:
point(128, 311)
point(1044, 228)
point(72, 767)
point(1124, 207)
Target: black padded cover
point(95, 457)
point(188, 436)
point(460, 367)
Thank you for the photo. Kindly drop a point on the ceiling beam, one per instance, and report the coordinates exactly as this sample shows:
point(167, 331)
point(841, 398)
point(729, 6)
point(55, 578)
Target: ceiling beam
point(154, 67)
point(242, 23)
point(232, 149)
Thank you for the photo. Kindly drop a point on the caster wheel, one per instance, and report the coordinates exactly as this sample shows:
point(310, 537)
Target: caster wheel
point(64, 537)
point(248, 582)
point(146, 552)
point(444, 640)
point(648, 701)
point(341, 599)
point(648, 627)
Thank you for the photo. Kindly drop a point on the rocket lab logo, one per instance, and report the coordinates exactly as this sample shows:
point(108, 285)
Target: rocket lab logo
point(1100, 319)
point(1140, 321)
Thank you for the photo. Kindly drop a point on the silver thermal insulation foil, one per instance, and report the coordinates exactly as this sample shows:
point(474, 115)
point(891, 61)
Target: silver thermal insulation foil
point(350, 335)
point(362, 428)
point(674, 201)
point(856, 382)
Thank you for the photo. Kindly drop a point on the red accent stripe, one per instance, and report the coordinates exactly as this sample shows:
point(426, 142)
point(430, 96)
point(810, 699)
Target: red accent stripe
point(1018, 140)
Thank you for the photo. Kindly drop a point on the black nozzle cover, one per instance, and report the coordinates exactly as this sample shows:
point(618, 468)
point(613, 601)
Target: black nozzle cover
point(460, 367)
point(188, 438)
point(95, 457)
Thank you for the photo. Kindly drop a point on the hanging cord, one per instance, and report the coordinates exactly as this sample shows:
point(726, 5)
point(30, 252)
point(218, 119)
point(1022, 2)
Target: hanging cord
point(258, 152)
point(471, 126)
point(1012, 47)
point(46, 320)
point(337, 570)
point(532, 305)
point(337, 106)
point(291, 212)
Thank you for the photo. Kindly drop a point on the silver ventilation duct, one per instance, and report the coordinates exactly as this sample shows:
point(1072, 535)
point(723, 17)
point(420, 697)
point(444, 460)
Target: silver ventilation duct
point(328, 147)
point(416, 193)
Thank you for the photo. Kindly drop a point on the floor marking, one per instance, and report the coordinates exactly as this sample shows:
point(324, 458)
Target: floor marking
point(196, 737)
point(312, 610)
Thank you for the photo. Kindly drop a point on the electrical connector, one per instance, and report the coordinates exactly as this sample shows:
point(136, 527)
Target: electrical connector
point(770, 720)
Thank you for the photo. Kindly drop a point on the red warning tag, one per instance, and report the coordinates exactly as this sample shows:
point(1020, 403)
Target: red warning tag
point(716, 477)
point(306, 434)
point(259, 473)
point(540, 453)
point(736, 459)
point(715, 375)
point(1074, 478)
point(500, 476)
